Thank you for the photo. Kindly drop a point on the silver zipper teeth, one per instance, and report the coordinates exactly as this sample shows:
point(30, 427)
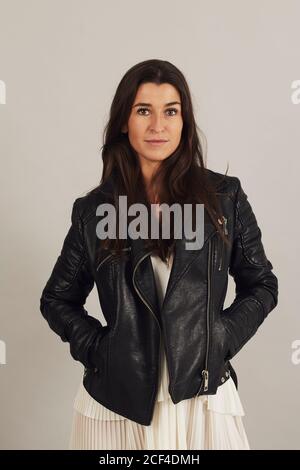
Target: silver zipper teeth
point(225, 225)
point(205, 371)
point(104, 259)
point(110, 255)
point(149, 307)
point(205, 374)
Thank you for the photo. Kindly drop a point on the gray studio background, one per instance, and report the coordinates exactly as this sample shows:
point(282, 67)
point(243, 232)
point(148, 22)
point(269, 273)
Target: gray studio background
point(61, 62)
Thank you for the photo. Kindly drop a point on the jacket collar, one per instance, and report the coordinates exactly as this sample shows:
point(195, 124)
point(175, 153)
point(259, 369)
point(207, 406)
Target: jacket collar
point(142, 270)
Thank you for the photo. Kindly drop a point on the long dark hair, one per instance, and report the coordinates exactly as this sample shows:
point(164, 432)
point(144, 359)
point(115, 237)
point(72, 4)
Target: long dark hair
point(181, 178)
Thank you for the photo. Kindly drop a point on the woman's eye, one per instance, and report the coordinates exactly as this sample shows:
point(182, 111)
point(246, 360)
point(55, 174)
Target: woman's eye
point(169, 109)
point(142, 109)
point(172, 109)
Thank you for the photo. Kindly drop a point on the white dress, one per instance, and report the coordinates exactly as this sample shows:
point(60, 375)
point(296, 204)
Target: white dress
point(201, 422)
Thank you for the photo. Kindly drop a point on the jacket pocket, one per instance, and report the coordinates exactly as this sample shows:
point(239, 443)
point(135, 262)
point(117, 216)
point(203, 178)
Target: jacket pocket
point(98, 352)
point(227, 340)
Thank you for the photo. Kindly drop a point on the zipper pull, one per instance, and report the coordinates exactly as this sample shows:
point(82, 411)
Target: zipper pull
point(225, 225)
point(205, 375)
point(223, 222)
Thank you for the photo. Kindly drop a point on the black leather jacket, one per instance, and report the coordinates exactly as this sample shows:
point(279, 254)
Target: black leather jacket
point(121, 359)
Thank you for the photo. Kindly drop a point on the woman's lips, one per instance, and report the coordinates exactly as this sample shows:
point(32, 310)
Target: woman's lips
point(156, 142)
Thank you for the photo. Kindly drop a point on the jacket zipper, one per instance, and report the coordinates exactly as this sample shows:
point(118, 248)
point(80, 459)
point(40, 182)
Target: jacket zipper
point(104, 259)
point(149, 307)
point(224, 224)
point(109, 256)
point(205, 374)
point(99, 265)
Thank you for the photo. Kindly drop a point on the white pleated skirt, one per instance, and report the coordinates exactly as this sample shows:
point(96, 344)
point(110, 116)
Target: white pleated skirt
point(201, 422)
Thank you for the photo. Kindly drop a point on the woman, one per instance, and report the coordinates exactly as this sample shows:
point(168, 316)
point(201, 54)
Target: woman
point(158, 374)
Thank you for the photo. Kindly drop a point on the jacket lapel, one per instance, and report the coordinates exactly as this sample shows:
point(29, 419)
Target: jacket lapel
point(142, 270)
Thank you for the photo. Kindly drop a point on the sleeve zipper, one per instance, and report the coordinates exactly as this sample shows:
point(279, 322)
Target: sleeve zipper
point(205, 373)
point(222, 222)
point(150, 309)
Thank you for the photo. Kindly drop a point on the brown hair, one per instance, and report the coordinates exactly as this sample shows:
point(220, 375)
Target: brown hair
point(181, 178)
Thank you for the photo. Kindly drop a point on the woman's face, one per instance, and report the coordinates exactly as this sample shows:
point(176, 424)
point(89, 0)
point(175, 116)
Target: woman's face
point(155, 115)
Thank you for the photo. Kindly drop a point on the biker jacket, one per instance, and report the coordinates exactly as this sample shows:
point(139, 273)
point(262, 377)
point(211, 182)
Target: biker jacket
point(121, 359)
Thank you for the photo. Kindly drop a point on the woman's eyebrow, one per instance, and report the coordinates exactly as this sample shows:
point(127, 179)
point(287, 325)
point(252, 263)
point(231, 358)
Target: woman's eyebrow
point(149, 104)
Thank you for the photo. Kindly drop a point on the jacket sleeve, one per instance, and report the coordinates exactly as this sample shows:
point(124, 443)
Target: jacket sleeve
point(256, 286)
point(64, 295)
